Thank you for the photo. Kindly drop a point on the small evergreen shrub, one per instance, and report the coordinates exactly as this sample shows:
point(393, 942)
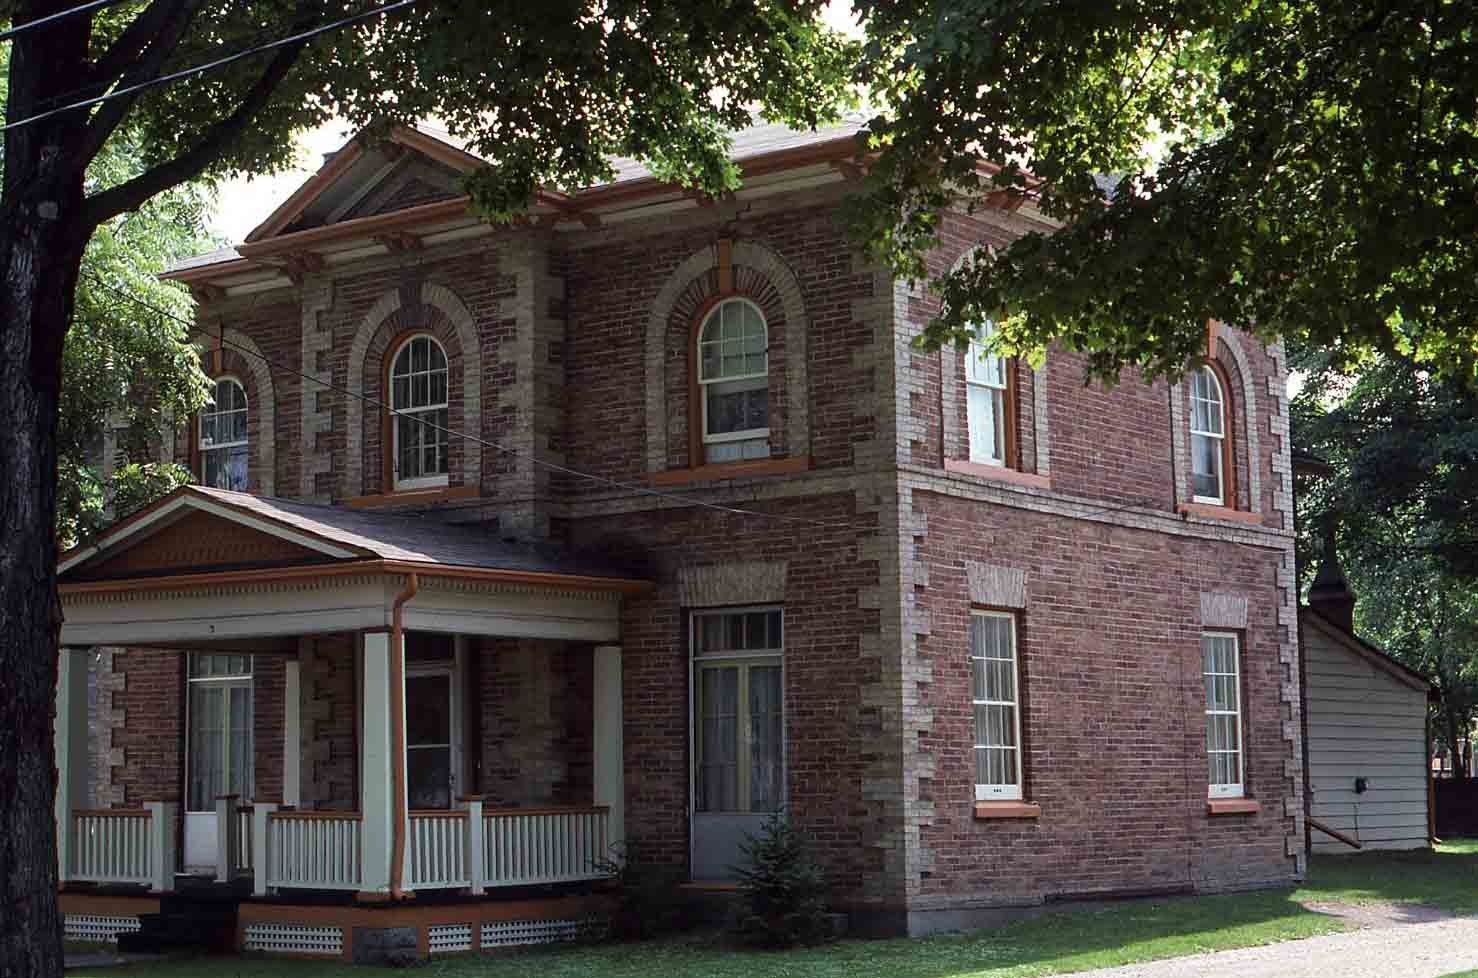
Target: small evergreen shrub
point(649, 903)
point(783, 891)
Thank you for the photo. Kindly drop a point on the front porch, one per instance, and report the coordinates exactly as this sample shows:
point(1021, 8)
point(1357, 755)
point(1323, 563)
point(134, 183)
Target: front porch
point(235, 596)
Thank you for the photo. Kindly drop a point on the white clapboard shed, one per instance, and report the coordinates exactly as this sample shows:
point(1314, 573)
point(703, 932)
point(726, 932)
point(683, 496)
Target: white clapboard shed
point(1365, 728)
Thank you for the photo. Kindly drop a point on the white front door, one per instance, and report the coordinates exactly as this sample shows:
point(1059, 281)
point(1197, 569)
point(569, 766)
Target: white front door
point(738, 732)
point(219, 757)
point(432, 737)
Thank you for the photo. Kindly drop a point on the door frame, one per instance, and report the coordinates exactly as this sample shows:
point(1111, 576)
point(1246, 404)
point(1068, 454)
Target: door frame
point(455, 670)
point(201, 824)
point(693, 662)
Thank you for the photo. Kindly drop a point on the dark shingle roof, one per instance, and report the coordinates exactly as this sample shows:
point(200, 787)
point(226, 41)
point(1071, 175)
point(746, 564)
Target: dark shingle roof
point(418, 539)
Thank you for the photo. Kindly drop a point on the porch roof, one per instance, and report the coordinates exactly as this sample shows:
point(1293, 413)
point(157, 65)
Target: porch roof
point(327, 533)
point(211, 566)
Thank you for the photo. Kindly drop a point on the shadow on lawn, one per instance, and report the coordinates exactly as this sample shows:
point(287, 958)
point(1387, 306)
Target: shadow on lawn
point(1446, 877)
point(1054, 942)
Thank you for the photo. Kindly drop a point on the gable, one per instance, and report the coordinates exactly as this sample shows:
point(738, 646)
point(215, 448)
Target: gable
point(199, 541)
point(417, 181)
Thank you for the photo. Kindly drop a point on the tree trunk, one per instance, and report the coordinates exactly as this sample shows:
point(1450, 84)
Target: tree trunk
point(1455, 746)
point(39, 263)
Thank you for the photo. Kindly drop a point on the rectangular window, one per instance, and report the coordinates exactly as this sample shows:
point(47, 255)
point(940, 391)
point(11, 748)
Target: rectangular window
point(738, 711)
point(220, 729)
point(993, 678)
point(1220, 666)
point(986, 384)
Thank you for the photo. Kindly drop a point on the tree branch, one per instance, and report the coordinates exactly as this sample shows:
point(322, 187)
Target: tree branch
point(165, 39)
point(130, 44)
point(190, 164)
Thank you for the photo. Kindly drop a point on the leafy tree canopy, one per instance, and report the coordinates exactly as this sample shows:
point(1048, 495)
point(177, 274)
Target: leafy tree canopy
point(1295, 167)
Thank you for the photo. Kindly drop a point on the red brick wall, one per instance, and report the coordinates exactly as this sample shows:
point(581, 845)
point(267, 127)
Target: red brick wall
point(832, 733)
point(1113, 721)
point(536, 711)
point(330, 766)
point(152, 735)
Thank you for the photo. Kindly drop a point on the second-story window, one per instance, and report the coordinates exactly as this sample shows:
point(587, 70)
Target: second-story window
point(987, 380)
point(223, 438)
point(1208, 438)
point(734, 382)
point(418, 403)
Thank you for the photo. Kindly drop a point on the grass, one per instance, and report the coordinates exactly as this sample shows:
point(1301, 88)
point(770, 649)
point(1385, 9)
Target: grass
point(1057, 943)
point(1446, 877)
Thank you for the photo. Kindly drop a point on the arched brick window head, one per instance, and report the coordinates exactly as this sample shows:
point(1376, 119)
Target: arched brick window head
point(1211, 442)
point(223, 441)
point(733, 358)
point(990, 402)
point(418, 404)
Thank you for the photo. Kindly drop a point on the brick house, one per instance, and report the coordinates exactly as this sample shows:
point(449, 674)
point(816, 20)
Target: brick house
point(974, 610)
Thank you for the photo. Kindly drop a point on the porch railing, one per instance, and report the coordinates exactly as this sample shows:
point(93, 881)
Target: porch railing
point(124, 845)
point(438, 848)
point(312, 850)
point(555, 845)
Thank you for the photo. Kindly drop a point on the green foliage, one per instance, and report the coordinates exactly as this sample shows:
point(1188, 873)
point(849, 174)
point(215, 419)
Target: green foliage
point(1296, 167)
point(783, 891)
point(1403, 446)
point(649, 902)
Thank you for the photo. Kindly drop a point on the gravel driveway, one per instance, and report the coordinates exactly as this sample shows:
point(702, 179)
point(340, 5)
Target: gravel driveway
point(1427, 950)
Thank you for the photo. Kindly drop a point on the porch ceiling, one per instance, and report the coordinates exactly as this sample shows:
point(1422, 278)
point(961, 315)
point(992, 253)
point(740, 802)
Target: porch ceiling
point(205, 566)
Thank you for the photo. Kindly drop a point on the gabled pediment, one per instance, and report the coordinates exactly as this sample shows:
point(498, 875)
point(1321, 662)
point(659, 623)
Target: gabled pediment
point(190, 532)
point(369, 177)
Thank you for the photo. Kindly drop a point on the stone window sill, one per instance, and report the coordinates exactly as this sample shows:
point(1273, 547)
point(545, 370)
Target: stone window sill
point(998, 473)
point(1206, 511)
point(414, 497)
point(1232, 806)
point(1007, 809)
point(731, 470)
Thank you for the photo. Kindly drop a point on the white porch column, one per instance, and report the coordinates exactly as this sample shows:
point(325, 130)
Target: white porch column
point(377, 839)
point(292, 734)
point(69, 731)
point(162, 834)
point(609, 760)
point(261, 847)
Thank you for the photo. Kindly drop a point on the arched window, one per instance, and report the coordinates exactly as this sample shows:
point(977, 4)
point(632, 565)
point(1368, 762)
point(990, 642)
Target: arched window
point(734, 382)
point(1209, 442)
point(988, 404)
point(418, 403)
point(223, 440)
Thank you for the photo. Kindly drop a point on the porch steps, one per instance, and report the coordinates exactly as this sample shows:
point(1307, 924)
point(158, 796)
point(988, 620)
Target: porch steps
point(198, 916)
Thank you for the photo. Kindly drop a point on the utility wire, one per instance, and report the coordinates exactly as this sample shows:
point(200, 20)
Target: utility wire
point(212, 65)
point(8, 33)
point(632, 487)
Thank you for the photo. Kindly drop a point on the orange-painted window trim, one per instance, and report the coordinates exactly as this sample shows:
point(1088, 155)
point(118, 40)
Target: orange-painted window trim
point(1007, 809)
point(731, 470)
point(414, 497)
point(1206, 511)
point(998, 473)
point(1232, 806)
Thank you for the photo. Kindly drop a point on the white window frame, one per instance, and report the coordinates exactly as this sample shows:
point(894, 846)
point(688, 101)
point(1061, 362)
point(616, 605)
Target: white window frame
point(744, 743)
point(979, 375)
point(749, 434)
point(424, 481)
point(245, 681)
point(1238, 788)
point(211, 410)
point(1217, 437)
point(997, 792)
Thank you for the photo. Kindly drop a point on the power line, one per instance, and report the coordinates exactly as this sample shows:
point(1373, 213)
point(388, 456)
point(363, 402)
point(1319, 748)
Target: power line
point(213, 65)
point(632, 487)
point(8, 33)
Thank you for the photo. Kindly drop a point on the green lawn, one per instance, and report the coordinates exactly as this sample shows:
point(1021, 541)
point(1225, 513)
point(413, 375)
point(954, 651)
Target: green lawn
point(1057, 943)
point(1446, 878)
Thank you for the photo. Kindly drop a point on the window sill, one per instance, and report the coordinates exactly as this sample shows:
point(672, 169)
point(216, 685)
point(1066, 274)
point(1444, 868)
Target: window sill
point(1207, 511)
point(1232, 806)
point(414, 497)
point(998, 473)
point(1007, 809)
point(731, 470)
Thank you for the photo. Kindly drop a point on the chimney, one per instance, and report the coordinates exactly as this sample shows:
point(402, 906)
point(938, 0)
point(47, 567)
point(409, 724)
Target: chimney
point(1330, 594)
